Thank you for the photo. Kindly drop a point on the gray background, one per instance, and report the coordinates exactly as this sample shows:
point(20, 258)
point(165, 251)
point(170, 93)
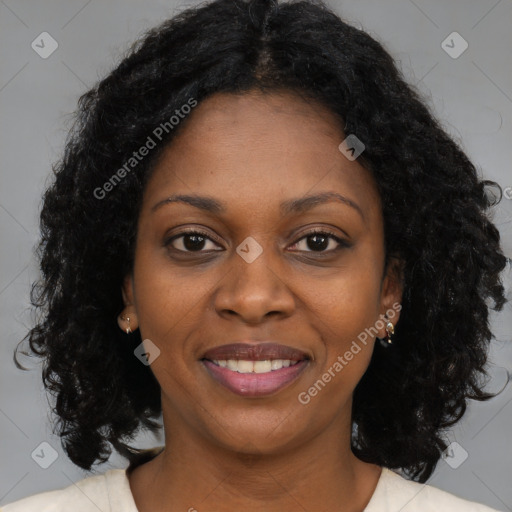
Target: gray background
point(471, 94)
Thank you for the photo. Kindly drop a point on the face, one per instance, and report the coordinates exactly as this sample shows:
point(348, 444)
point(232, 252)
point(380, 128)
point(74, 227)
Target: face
point(250, 258)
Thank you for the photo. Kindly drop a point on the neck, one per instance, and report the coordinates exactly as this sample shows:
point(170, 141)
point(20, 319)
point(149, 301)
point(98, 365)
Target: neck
point(192, 473)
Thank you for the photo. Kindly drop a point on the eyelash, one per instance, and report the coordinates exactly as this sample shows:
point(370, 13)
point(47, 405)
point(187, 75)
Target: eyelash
point(318, 231)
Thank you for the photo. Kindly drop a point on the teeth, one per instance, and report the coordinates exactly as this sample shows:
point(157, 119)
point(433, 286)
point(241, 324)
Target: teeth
point(244, 366)
point(262, 366)
point(276, 364)
point(232, 364)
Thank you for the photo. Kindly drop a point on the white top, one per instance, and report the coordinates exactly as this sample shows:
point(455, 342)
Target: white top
point(110, 492)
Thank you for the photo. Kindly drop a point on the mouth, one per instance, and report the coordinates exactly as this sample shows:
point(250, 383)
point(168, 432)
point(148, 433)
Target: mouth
point(255, 370)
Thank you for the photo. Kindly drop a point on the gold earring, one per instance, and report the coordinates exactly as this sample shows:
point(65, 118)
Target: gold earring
point(128, 329)
point(390, 330)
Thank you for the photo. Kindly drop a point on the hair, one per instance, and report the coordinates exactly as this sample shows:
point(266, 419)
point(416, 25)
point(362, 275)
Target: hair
point(434, 205)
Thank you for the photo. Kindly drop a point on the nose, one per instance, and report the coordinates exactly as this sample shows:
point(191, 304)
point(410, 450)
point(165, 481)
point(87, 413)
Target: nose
point(253, 291)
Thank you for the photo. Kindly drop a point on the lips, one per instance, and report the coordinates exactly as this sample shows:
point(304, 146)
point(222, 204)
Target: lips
point(259, 352)
point(255, 370)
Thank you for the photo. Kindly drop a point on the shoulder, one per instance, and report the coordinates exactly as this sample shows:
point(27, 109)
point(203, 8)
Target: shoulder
point(393, 492)
point(97, 492)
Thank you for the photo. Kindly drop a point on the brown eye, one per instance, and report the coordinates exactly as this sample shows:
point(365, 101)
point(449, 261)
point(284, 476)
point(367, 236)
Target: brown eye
point(320, 241)
point(190, 241)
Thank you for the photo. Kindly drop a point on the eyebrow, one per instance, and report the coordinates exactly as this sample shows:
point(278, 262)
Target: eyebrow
point(288, 207)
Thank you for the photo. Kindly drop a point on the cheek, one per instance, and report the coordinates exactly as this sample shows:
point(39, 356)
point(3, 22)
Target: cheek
point(348, 342)
point(167, 301)
point(349, 300)
point(345, 312)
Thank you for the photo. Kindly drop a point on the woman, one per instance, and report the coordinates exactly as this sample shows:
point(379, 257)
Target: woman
point(259, 231)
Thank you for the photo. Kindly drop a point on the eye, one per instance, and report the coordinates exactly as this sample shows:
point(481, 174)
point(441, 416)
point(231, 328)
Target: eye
point(195, 240)
point(320, 240)
point(190, 241)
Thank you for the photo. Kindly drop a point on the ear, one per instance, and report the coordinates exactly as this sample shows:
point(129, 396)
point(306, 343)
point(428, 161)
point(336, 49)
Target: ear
point(127, 290)
point(127, 319)
point(392, 288)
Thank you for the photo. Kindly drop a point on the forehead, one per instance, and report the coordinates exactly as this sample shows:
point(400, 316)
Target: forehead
point(259, 125)
point(258, 147)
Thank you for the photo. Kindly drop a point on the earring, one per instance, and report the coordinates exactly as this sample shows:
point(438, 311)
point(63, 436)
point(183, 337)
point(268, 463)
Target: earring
point(128, 329)
point(390, 330)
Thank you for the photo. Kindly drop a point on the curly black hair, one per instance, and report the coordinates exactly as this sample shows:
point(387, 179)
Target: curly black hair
point(435, 210)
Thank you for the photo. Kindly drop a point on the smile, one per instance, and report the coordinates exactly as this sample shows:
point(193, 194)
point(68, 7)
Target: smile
point(247, 366)
point(255, 370)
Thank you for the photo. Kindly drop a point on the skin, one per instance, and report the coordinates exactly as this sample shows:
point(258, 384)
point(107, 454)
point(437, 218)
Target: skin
point(225, 452)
